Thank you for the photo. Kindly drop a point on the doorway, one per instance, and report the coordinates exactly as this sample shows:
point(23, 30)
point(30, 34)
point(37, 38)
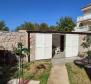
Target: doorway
point(58, 45)
point(62, 42)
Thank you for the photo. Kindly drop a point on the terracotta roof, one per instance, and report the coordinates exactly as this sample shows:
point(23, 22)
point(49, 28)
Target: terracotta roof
point(86, 6)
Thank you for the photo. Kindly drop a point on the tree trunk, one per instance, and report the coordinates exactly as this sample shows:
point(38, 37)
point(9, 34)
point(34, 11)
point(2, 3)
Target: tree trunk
point(19, 67)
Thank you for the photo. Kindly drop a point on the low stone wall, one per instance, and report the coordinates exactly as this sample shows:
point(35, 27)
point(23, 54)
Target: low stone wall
point(32, 46)
point(81, 49)
point(9, 40)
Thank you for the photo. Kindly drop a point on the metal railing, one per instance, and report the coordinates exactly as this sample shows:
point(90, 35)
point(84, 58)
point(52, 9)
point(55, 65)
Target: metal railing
point(82, 28)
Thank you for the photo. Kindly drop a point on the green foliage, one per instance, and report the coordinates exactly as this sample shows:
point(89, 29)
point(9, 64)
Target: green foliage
point(65, 24)
point(84, 45)
point(37, 26)
point(31, 26)
point(54, 28)
point(87, 42)
point(43, 27)
point(26, 26)
point(3, 26)
point(89, 53)
point(20, 50)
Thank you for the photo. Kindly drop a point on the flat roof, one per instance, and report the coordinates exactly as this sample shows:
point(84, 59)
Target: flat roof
point(86, 33)
point(86, 6)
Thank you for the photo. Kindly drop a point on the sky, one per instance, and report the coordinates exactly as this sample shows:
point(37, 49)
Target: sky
point(16, 12)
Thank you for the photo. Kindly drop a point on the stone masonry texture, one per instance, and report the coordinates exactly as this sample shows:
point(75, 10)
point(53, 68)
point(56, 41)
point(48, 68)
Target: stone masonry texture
point(9, 40)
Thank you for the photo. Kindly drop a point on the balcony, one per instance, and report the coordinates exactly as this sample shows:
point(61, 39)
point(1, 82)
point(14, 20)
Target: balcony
point(82, 18)
point(83, 29)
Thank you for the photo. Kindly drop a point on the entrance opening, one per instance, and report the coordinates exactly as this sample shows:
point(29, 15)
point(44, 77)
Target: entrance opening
point(62, 43)
point(58, 45)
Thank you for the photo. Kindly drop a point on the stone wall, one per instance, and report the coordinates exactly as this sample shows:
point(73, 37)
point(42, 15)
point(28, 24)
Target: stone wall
point(32, 46)
point(9, 40)
point(81, 49)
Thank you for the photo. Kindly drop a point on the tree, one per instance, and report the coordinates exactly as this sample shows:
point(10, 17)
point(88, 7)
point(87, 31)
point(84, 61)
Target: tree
point(20, 51)
point(54, 28)
point(31, 26)
point(26, 26)
point(37, 26)
point(43, 27)
point(65, 24)
point(3, 26)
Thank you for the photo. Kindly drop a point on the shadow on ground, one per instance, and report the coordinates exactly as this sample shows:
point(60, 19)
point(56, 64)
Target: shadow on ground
point(88, 70)
point(8, 64)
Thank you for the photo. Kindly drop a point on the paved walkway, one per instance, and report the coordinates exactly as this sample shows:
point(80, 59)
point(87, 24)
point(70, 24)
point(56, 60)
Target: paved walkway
point(58, 75)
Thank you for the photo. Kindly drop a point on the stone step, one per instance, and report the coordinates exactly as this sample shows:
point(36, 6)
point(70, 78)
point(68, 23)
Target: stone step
point(58, 56)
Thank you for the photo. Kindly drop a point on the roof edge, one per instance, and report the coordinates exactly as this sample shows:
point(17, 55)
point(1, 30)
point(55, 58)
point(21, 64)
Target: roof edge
point(88, 5)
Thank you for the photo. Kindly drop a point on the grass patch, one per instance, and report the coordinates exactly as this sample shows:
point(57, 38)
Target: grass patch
point(77, 75)
point(38, 70)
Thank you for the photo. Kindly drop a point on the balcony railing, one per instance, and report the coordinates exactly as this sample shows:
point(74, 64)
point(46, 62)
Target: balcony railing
point(83, 28)
point(82, 18)
point(89, 28)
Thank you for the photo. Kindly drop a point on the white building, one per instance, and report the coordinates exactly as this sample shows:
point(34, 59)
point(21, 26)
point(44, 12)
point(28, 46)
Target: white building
point(84, 22)
point(69, 44)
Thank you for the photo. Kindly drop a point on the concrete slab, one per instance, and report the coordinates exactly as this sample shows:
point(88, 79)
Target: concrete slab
point(58, 75)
